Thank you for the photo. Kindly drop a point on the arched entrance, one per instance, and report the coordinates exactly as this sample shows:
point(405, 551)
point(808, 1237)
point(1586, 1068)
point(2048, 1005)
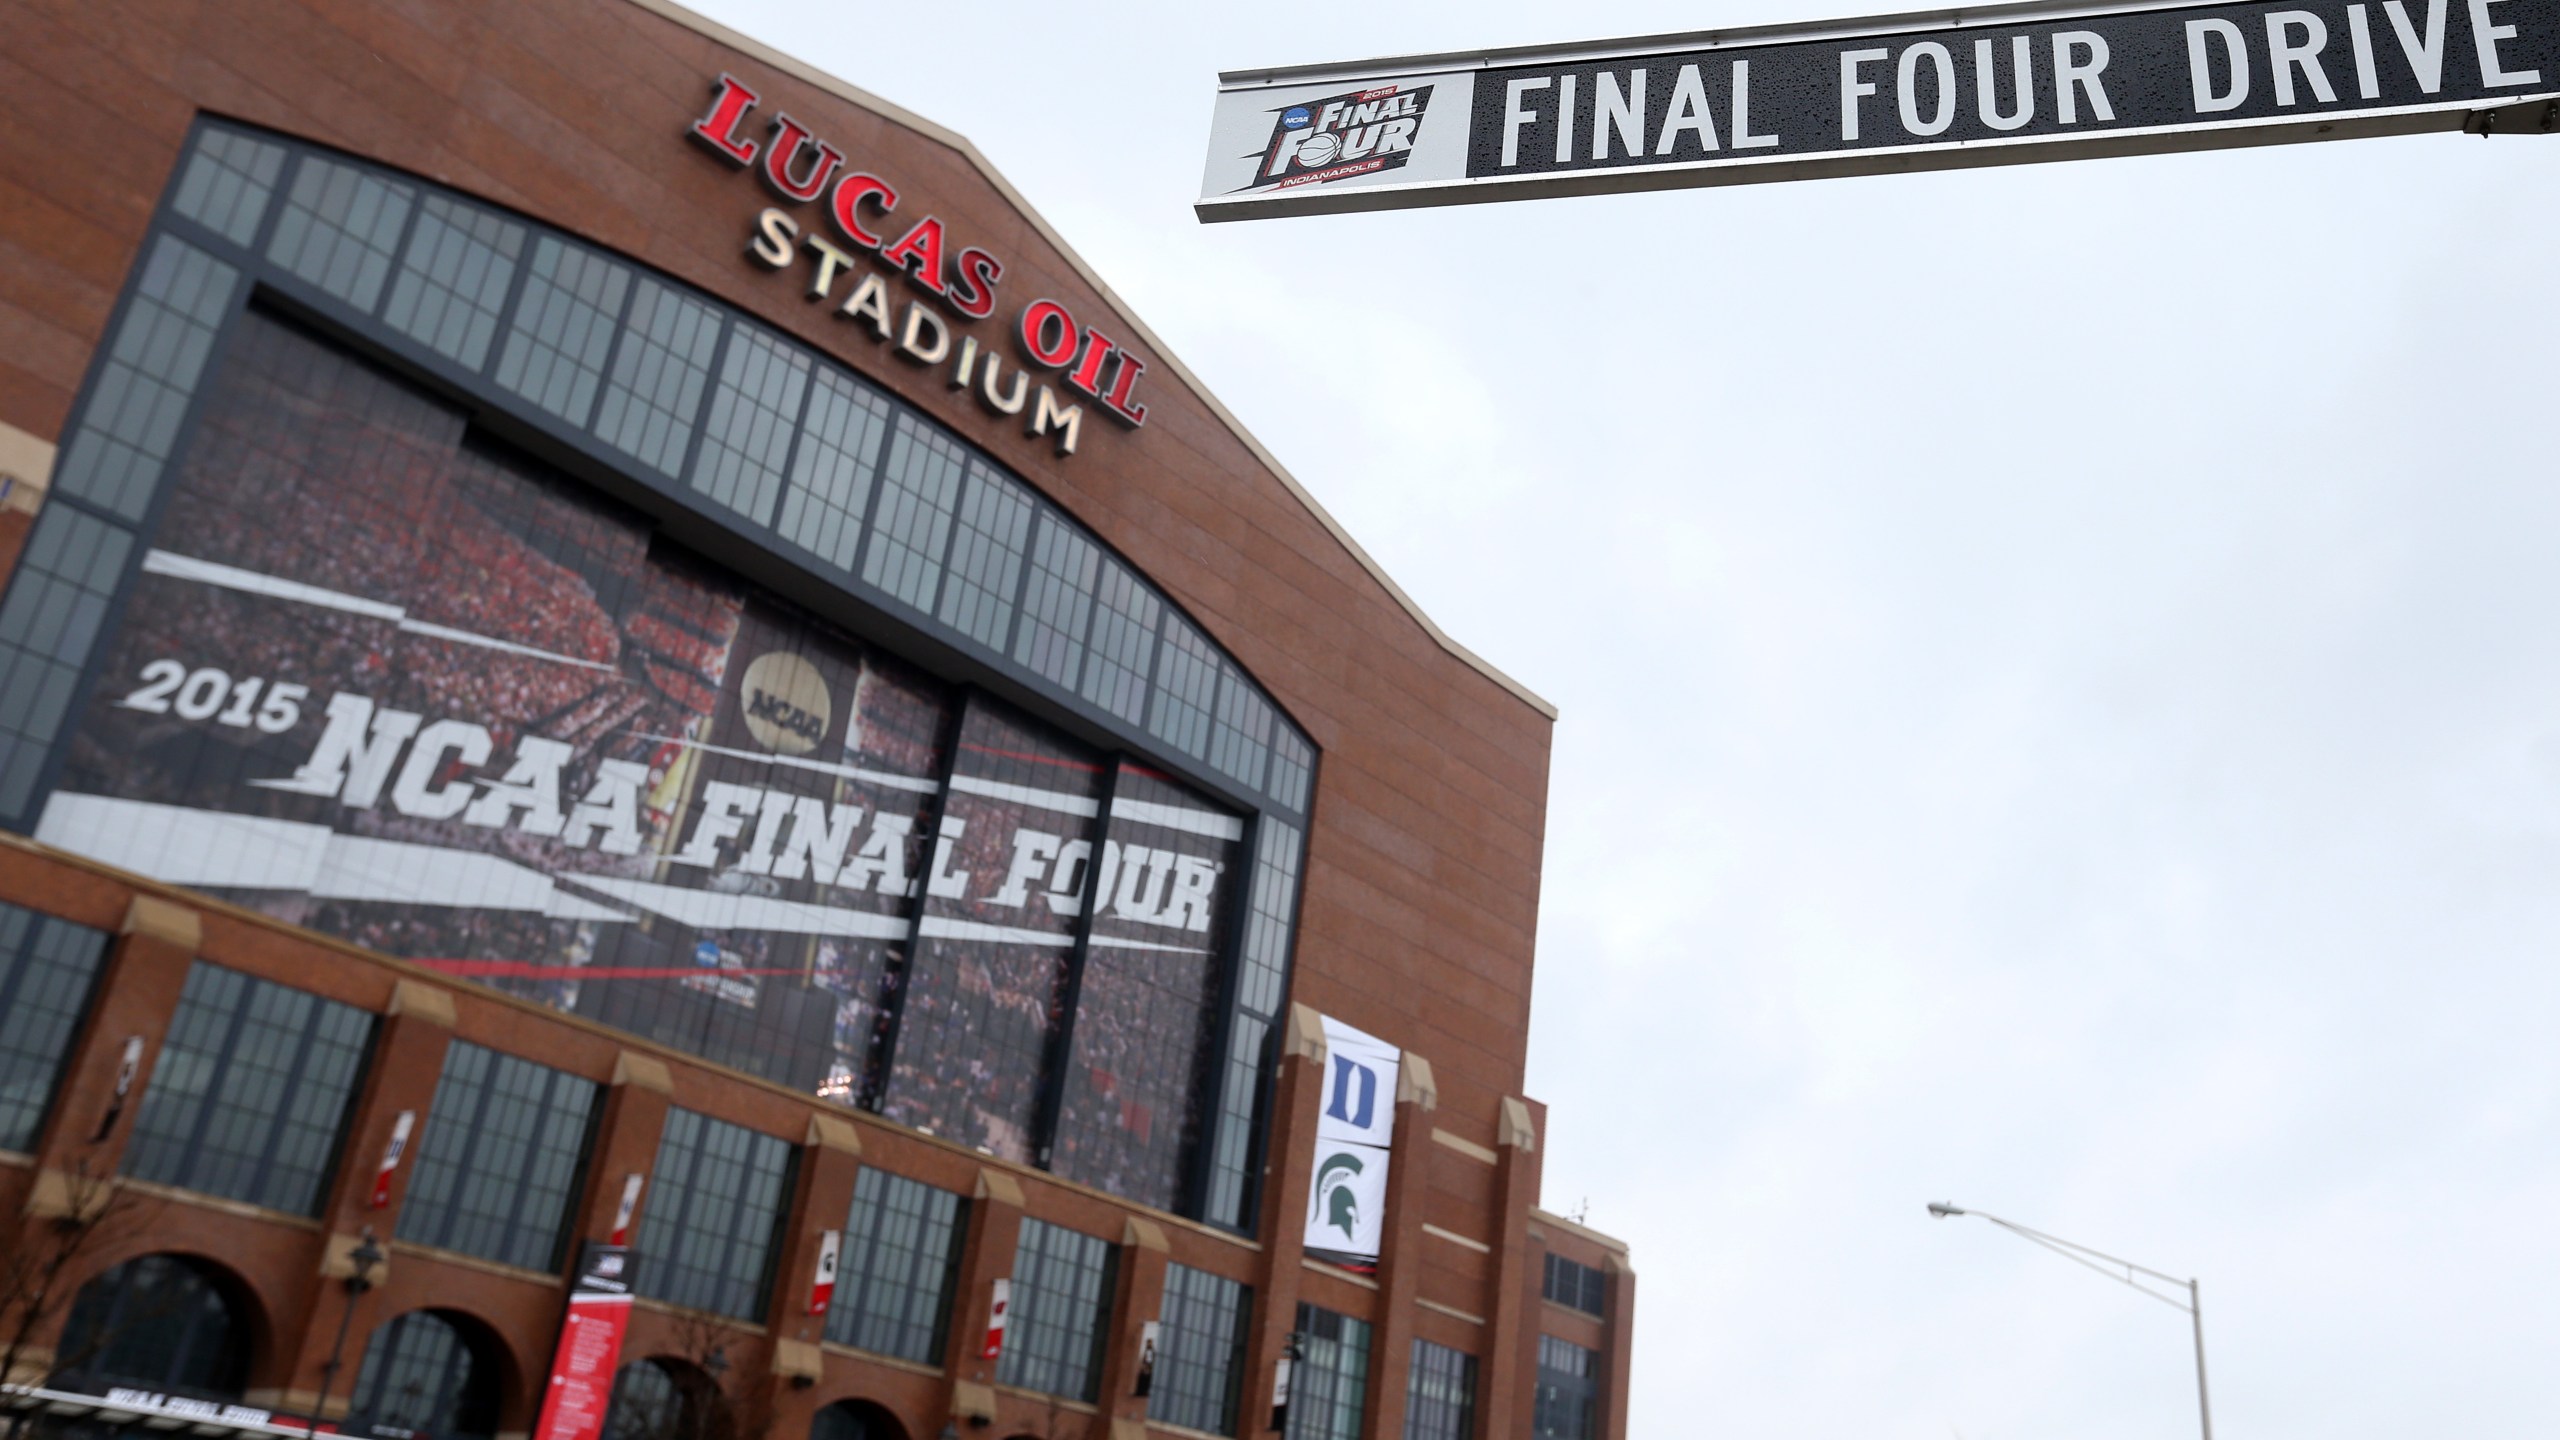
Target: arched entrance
point(167, 1323)
point(428, 1372)
point(665, 1398)
point(855, 1420)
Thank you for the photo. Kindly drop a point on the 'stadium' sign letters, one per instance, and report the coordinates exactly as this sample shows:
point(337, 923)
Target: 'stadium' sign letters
point(1952, 88)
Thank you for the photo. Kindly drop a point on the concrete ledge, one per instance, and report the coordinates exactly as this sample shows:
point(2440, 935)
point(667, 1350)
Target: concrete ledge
point(997, 1186)
point(643, 1072)
point(799, 1360)
point(1146, 1235)
point(61, 1195)
point(421, 1001)
point(830, 1132)
point(1415, 1085)
point(153, 918)
point(337, 1258)
point(1517, 1129)
point(1463, 1146)
point(1305, 1033)
point(971, 1401)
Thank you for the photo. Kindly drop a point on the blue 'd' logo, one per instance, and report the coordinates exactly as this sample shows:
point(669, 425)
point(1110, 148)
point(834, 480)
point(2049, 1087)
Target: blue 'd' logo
point(1355, 1093)
point(1295, 118)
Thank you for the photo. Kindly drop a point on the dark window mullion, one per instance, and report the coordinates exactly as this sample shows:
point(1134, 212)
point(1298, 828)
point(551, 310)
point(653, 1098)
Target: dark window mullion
point(1061, 1058)
point(710, 400)
point(613, 344)
point(215, 1083)
point(772, 520)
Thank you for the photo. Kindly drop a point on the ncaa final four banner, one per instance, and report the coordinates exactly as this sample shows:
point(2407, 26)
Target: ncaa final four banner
point(1993, 85)
point(386, 678)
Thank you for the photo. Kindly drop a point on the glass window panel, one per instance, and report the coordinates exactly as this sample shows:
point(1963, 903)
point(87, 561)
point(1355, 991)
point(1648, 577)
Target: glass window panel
point(1137, 1083)
point(48, 969)
point(453, 280)
point(893, 1277)
point(158, 1322)
point(249, 1095)
point(914, 523)
point(1293, 766)
point(1262, 980)
point(57, 601)
point(1057, 609)
point(227, 183)
point(837, 464)
point(340, 228)
point(708, 1221)
point(563, 329)
point(748, 437)
point(500, 1158)
point(158, 353)
point(1440, 1394)
point(1200, 1362)
point(1005, 883)
point(1330, 1382)
point(1582, 1287)
point(1186, 686)
point(420, 1376)
point(658, 375)
point(986, 557)
point(1061, 1307)
point(1240, 731)
point(1567, 1390)
point(1124, 642)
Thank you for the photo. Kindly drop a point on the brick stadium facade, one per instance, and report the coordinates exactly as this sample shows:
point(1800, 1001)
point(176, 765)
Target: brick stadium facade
point(291, 296)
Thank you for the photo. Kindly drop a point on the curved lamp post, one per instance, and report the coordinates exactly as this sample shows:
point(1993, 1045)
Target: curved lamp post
point(2193, 1304)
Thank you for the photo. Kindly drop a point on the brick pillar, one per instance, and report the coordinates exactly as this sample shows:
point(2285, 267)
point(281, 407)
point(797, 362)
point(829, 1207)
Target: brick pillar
point(401, 1074)
point(1400, 1258)
point(822, 1195)
point(1618, 1348)
point(1296, 1094)
point(77, 1151)
point(626, 1144)
point(1138, 1297)
point(995, 1224)
point(1504, 1384)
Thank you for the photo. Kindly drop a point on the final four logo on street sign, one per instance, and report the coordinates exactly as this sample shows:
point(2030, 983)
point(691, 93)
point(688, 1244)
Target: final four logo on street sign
point(1991, 85)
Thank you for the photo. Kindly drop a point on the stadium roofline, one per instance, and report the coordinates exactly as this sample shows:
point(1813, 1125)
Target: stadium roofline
point(845, 90)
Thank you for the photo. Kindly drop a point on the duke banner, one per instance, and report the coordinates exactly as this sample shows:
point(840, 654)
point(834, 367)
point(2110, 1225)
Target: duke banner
point(1997, 85)
point(1355, 1136)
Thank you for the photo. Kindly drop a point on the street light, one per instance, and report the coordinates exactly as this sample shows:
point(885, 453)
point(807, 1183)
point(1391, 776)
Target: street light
point(361, 1263)
point(2193, 1305)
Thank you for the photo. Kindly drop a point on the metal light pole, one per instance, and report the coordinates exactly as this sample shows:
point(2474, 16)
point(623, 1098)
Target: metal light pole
point(2193, 1305)
point(361, 1263)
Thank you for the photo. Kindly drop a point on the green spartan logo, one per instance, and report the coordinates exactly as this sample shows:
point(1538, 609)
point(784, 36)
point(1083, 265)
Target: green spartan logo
point(1335, 1196)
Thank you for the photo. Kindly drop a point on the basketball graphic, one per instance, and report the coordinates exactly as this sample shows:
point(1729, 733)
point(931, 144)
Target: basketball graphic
point(1319, 150)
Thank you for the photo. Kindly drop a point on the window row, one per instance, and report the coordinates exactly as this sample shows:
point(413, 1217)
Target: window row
point(771, 438)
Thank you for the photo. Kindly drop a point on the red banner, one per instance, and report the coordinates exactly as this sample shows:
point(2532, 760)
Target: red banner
point(574, 1403)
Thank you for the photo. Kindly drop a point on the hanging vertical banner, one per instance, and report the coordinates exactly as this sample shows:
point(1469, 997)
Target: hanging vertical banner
point(1280, 1377)
point(126, 1068)
point(1148, 1336)
point(822, 1288)
point(581, 1386)
point(622, 1213)
point(391, 1153)
point(1355, 1130)
point(996, 1320)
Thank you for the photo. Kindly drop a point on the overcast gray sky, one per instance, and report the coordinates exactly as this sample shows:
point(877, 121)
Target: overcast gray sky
point(2061, 710)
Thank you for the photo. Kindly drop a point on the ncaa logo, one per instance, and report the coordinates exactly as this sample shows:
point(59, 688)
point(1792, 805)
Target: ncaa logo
point(1296, 118)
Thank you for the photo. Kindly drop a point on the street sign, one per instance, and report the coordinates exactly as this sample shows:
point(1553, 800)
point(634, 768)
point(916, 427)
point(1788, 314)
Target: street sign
point(1991, 86)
